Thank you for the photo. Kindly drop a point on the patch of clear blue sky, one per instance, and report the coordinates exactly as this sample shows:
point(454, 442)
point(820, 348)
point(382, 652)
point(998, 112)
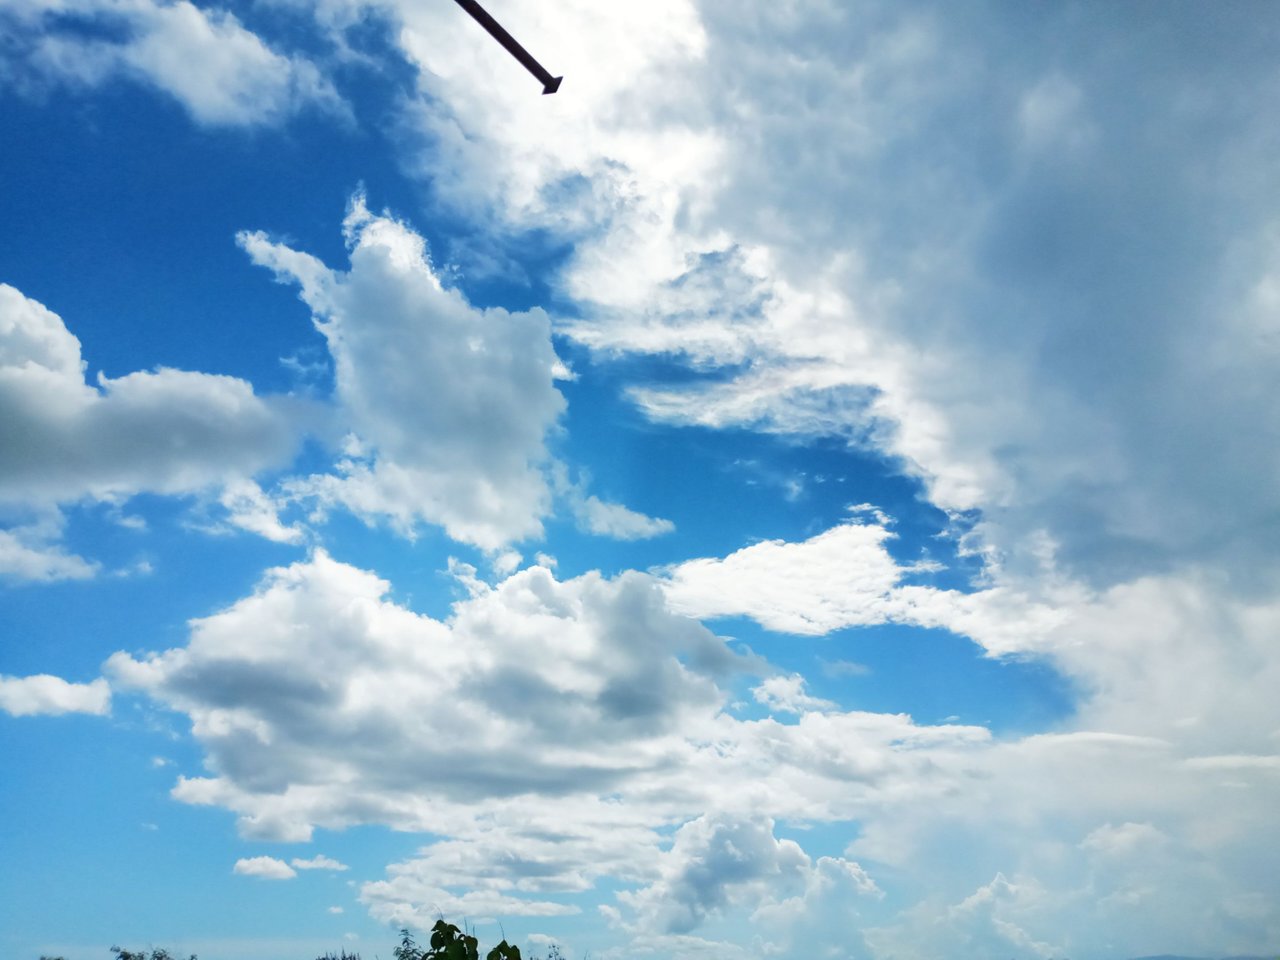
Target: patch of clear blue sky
point(121, 192)
point(727, 488)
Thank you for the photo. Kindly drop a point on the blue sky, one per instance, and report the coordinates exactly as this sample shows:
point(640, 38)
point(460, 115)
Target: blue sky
point(806, 489)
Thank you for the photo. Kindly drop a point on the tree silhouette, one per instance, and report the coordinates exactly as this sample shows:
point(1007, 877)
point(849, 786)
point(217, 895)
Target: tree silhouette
point(450, 943)
point(447, 943)
point(122, 954)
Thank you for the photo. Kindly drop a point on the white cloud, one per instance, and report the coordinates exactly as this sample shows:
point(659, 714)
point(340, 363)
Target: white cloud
point(250, 508)
point(846, 577)
point(43, 694)
point(520, 861)
point(1099, 843)
point(517, 692)
point(787, 695)
point(1125, 840)
point(1049, 117)
point(507, 562)
point(835, 579)
point(986, 923)
point(602, 518)
point(450, 404)
point(166, 431)
point(547, 733)
point(221, 73)
point(319, 863)
point(1173, 680)
point(475, 101)
point(65, 441)
point(789, 195)
point(27, 553)
point(265, 868)
point(733, 874)
point(715, 862)
point(615, 520)
point(416, 903)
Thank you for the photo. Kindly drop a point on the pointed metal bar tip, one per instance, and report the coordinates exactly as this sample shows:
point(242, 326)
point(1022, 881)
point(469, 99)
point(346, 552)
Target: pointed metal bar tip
point(549, 83)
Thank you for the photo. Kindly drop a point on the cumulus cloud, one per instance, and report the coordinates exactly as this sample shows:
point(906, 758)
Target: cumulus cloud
point(64, 440)
point(1115, 812)
point(546, 732)
point(716, 861)
point(449, 405)
point(220, 72)
point(43, 694)
point(724, 872)
point(519, 862)
point(984, 924)
point(265, 868)
point(473, 102)
point(165, 431)
point(549, 731)
point(515, 693)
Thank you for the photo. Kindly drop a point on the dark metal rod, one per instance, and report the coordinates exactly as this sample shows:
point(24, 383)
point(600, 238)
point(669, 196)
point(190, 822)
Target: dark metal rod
point(550, 84)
